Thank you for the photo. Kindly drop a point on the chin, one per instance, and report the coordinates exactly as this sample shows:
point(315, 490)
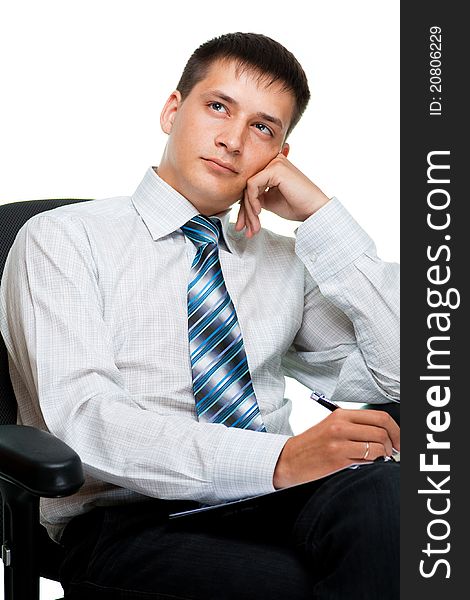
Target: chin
point(213, 205)
point(208, 193)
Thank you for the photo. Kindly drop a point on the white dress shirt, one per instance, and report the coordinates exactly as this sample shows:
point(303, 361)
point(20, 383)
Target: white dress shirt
point(94, 316)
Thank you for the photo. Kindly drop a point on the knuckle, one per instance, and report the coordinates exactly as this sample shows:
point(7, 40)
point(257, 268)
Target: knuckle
point(385, 417)
point(336, 428)
point(333, 447)
point(383, 438)
point(250, 185)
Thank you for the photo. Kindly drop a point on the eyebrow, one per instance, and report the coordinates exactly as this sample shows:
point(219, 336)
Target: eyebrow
point(261, 115)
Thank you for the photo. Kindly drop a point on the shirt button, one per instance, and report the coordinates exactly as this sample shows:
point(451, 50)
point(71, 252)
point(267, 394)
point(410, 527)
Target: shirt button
point(313, 258)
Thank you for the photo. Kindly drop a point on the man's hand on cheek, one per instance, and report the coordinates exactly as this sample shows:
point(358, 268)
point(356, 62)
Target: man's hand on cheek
point(282, 189)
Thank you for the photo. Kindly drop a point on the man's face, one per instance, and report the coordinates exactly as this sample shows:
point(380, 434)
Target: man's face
point(228, 128)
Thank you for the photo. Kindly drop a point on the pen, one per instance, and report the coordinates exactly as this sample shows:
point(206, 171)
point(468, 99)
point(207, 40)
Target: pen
point(323, 400)
point(330, 405)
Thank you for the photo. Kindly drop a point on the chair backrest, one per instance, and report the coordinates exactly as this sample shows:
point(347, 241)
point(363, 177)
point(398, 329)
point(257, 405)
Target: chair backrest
point(12, 217)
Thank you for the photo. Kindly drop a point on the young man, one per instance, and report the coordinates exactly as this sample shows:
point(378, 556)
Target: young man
point(154, 340)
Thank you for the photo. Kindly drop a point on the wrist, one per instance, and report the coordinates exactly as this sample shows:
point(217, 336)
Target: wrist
point(281, 476)
point(318, 201)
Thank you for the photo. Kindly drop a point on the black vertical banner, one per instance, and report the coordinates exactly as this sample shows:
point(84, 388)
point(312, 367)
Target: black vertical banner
point(435, 251)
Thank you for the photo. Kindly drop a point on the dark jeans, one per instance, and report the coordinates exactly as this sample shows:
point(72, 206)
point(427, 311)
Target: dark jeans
point(337, 539)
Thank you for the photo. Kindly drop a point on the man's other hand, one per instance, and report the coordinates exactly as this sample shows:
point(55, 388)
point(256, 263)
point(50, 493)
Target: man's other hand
point(344, 437)
point(282, 189)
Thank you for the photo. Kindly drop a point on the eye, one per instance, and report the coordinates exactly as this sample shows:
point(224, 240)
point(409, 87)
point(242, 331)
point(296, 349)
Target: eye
point(264, 129)
point(218, 107)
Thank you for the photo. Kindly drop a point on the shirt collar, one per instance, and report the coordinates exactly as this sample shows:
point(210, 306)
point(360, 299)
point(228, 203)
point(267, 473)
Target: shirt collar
point(164, 210)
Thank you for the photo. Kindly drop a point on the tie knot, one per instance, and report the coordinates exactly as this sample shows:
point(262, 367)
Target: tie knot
point(202, 230)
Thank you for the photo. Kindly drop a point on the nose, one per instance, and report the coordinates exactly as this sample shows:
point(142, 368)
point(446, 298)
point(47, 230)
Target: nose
point(231, 138)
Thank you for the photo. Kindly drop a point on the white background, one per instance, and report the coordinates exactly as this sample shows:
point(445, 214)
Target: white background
point(83, 83)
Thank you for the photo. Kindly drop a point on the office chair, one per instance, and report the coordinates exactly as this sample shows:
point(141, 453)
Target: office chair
point(33, 463)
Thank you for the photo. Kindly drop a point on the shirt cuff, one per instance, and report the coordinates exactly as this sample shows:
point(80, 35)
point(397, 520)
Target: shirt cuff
point(329, 240)
point(245, 462)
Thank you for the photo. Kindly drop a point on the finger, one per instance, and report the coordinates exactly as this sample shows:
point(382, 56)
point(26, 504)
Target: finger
point(240, 224)
point(253, 197)
point(368, 433)
point(256, 187)
point(362, 428)
point(365, 451)
point(253, 219)
point(380, 419)
point(257, 206)
point(246, 218)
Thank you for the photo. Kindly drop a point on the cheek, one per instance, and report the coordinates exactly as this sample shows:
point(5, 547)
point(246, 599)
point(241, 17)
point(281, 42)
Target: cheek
point(258, 158)
point(183, 143)
point(197, 139)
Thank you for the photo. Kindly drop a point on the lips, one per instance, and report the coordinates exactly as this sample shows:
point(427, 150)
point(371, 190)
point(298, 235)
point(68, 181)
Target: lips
point(222, 164)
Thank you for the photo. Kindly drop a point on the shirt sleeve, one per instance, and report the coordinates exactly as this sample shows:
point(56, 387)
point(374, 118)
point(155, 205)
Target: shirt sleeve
point(61, 346)
point(348, 343)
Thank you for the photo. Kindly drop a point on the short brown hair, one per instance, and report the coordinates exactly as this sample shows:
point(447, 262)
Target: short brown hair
point(251, 51)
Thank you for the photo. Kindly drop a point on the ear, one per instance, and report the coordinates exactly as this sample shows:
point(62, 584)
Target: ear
point(169, 111)
point(285, 149)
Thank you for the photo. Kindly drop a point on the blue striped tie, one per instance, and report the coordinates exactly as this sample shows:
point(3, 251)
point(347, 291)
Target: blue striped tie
point(222, 385)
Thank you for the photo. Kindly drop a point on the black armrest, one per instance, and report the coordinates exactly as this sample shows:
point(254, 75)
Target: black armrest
point(38, 462)
point(392, 408)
